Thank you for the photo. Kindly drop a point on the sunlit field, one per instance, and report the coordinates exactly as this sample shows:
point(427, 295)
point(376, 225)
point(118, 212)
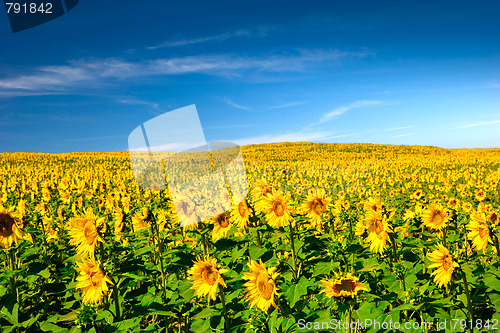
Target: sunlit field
point(328, 234)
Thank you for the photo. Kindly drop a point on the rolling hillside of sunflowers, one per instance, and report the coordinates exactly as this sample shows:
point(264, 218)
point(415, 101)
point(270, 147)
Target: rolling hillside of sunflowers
point(327, 232)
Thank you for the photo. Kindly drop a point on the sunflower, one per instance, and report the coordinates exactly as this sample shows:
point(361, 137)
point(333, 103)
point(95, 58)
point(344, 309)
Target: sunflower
point(435, 217)
point(479, 232)
point(260, 191)
point(206, 277)
point(494, 218)
point(138, 220)
point(9, 230)
point(444, 263)
point(188, 213)
point(453, 203)
point(84, 234)
point(417, 195)
point(378, 231)
point(93, 281)
point(241, 214)
point(277, 209)
point(315, 205)
point(343, 287)
point(222, 225)
point(480, 195)
point(261, 289)
point(467, 207)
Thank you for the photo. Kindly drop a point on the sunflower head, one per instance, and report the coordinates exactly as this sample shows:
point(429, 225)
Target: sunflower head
point(443, 261)
point(206, 277)
point(278, 210)
point(9, 230)
point(84, 232)
point(261, 290)
point(435, 217)
point(347, 286)
point(222, 225)
point(479, 231)
point(92, 281)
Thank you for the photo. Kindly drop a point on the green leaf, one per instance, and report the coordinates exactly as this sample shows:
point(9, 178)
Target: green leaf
point(49, 327)
point(206, 313)
point(295, 292)
point(11, 318)
point(256, 252)
point(491, 281)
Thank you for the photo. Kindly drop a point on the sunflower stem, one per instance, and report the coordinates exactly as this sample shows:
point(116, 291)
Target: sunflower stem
point(259, 242)
point(117, 303)
point(227, 324)
point(204, 240)
point(13, 287)
point(349, 318)
point(294, 258)
point(394, 249)
point(156, 232)
point(44, 239)
point(467, 293)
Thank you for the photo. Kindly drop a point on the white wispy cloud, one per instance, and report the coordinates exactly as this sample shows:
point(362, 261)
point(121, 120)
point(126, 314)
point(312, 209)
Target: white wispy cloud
point(227, 126)
point(214, 38)
point(285, 137)
point(479, 124)
point(287, 105)
point(238, 106)
point(62, 78)
point(403, 135)
point(343, 109)
point(96, 138)
point(152, 105)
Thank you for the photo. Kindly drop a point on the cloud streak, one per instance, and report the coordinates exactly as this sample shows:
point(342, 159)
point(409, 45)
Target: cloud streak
point(343, 109)
point(484, 123)
point(214, 38)
point(238, 106)
point(79, 73)
point(403, 135)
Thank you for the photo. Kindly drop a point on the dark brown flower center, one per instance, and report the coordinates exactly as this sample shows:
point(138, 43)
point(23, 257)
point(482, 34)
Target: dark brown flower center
point(265, 288)
point(278, 208)
point(209, 275)
point(437, 218)
point(447, 262)
point(318, 206)
point(242, 209)
point(345, 285)
point(6, 223)
point(90, 232)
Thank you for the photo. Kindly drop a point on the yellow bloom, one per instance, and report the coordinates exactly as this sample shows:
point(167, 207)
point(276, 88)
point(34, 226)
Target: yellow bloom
point(206, 277)
point(260, 191)
point(479, 232)
point(93, 281)
point(222, 225)
point(435, 217)
point(494, 218)
point(378, 228)
point(138, 222)
point(277, 209)
point(314, 207)
point(9, 230)
point(84, 234)
point(444, 263)
point(343, 287)
point(241, 214)
point(261, 289)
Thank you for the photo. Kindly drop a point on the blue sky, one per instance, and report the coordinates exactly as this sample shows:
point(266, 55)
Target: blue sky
point(389, 72)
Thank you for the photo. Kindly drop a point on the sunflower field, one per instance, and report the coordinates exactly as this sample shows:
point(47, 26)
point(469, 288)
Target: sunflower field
point(328, 234)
